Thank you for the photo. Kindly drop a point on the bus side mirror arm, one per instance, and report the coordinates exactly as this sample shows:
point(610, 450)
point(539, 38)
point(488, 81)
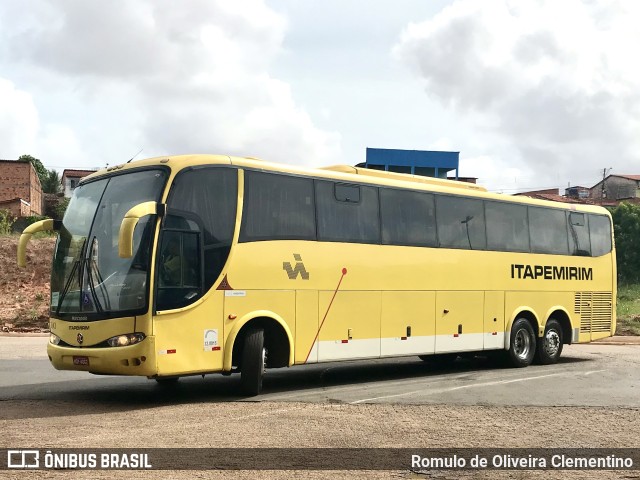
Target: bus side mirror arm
point(41, 226)
point(129, 222)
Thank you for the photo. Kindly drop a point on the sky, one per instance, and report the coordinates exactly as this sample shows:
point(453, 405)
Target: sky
point(534, 94)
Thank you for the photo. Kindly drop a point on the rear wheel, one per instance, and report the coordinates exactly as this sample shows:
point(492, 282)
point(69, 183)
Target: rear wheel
point(522, 347)
point(254, 360)
point(550, 346)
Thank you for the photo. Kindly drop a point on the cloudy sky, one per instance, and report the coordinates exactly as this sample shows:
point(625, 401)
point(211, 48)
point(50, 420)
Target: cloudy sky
point(533, 94)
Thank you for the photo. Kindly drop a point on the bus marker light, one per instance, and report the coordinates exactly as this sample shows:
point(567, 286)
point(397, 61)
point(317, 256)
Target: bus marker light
point(456, 335)
point(403, 338)
point(232, 316)
point(345, 341)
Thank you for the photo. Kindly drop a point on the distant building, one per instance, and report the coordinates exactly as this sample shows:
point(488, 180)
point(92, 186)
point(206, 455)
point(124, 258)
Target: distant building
point(71, 178)
point(552, 194)
point(20, 189)
point(616, 188)
point(414, 162)
point(581, 193)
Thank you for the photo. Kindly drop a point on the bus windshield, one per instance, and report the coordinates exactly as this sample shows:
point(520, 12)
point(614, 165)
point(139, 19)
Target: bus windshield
point(89, 281)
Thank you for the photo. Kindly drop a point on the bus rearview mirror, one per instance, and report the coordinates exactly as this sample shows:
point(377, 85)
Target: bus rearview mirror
point(129, 222)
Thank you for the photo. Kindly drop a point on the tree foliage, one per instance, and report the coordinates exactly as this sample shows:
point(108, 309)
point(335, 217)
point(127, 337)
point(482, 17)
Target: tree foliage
point(61, 208)
point(626, 224)
point(51, 183)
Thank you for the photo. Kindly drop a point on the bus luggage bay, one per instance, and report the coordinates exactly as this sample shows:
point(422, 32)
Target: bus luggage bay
point(200, 264)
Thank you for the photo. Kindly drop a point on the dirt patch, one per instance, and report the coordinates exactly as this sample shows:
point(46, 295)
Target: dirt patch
point(24, 292)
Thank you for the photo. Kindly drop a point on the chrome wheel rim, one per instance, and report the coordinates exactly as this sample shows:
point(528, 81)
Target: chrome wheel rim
point(264, 360)
point(551, 343)
point(522, 344)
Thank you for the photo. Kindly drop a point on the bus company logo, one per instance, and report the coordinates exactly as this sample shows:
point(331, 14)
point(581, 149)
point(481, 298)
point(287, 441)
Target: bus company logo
point(23, 459)
point(79, 327)
point(551, 272)
point(299, 269)
point(80, 338)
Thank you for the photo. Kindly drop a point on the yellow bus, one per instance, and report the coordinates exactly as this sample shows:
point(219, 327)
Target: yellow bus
point(199, 264)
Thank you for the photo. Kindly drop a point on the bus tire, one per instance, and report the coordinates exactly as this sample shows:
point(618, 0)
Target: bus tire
point(522, 347)
point(550, 345)
point(254, 358)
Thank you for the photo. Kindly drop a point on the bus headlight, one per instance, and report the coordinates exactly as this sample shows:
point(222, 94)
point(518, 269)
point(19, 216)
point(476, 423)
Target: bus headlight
point(54, 339)
point(126, 340)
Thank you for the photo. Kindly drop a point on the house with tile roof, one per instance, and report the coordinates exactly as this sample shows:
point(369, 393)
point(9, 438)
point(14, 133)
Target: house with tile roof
point(616, 188)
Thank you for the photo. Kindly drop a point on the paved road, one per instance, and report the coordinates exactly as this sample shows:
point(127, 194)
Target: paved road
point(588, 375)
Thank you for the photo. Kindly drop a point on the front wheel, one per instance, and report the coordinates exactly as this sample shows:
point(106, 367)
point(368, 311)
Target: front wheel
point(550, 346)
point(522, 347)
point(254, 360)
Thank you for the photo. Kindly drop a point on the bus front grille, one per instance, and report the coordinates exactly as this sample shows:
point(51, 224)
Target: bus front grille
point(595, 310)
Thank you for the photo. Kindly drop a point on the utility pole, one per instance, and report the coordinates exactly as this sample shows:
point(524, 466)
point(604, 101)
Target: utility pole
point(604, 192)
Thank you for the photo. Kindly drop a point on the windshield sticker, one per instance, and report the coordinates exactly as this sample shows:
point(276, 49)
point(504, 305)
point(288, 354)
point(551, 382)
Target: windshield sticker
point(211, 340)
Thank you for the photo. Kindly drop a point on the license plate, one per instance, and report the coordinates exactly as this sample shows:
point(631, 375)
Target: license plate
point(81, 361)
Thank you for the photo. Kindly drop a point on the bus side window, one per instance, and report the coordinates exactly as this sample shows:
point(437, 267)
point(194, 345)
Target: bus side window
point(277, 207)
point(211, 194)
point(408, 218)
point(461, 222)
point(548, 230)
point(579, 242)
point(347, 213)
point(507, 227)
point(600, 235)
point(179, 265)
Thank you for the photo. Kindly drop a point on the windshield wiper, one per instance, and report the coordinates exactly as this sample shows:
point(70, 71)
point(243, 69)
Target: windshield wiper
point(89, 271)
point(67, 285)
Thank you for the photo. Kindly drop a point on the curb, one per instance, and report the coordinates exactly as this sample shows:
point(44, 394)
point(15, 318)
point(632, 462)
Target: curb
point(618, 340)
point(24, 334)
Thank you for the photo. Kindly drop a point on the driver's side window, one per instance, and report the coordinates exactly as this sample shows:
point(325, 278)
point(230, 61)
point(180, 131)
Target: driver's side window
point(179, 276)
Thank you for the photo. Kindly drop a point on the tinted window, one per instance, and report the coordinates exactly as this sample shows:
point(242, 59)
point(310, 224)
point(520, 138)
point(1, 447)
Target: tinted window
point(347, 221)
point(600, 234)
point(211, 194)
point(548, 230)
point(347, 193)
point(408, 218)
point(507, 227)
point(579, 243)
point(179, 264)
point(277, 207)
point(460, 223)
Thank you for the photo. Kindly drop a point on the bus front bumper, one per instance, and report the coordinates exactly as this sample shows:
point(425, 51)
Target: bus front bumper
point(136, 359)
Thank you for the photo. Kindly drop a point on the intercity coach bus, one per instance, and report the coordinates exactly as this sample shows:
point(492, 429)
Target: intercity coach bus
point(199, 264)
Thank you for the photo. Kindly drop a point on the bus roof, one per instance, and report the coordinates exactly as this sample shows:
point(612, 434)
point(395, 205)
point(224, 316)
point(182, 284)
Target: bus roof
point(346, 173)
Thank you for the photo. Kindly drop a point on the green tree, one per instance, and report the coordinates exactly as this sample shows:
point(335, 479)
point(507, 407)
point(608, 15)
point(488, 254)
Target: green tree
point(51, 183)
point(626, 224)
point(61, 208)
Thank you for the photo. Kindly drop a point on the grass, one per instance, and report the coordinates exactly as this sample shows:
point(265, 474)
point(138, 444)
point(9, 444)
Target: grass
point(628, 310)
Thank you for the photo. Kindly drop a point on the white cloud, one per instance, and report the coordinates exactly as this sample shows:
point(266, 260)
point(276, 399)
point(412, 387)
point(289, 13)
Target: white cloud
point(18, 121)
point(554, 82)
point(187, 78)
